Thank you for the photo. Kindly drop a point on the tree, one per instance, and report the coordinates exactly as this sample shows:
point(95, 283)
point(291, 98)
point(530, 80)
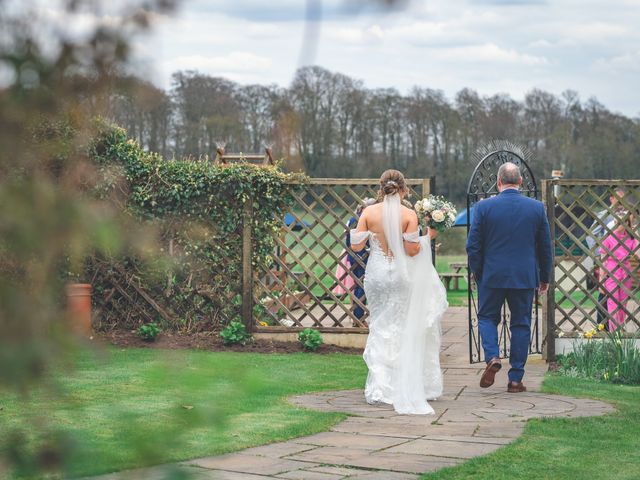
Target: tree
point(329, 124)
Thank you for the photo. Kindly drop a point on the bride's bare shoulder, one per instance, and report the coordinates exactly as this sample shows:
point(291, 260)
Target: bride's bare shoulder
point(373, 209)
point(408, 212)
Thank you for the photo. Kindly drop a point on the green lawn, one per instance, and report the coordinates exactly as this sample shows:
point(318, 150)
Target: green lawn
point(580, 298)
point(136, 407)
point(140, 407)
point(584, 448)
point(456, 298)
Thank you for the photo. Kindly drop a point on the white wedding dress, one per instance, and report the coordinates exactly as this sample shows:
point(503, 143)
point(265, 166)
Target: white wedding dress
point(406, 301)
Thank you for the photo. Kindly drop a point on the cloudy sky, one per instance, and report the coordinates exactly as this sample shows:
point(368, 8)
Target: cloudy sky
point(492, 46)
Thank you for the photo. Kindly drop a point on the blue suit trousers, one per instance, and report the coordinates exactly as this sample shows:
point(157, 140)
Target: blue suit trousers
point(520, 302)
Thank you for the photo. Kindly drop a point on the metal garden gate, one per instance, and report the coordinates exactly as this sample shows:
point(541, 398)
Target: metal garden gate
point(483, 184)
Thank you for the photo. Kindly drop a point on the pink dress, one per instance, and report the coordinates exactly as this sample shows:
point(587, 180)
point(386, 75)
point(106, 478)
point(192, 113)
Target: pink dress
point(618, 248)
point(346, 281)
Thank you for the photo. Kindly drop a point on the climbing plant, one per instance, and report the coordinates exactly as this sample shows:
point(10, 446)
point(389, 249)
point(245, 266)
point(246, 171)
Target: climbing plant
point(198, 208)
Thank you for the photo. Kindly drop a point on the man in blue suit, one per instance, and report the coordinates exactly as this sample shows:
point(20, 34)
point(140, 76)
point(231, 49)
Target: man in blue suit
point(509, 249)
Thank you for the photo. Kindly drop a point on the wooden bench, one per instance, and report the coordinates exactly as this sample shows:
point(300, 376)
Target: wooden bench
point(449, 277)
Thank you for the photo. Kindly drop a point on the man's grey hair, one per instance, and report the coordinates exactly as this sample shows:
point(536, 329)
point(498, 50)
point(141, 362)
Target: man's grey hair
point(509, 174)
point(367, 202)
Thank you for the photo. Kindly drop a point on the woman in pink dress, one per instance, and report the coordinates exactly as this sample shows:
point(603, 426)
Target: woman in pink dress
point(617, 249)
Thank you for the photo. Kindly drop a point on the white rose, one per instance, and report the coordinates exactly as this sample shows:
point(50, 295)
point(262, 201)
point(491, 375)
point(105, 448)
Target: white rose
point(438, 216)
point(452, 217)
point(426, 204)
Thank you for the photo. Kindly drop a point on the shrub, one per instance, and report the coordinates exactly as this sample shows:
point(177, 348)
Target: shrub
point(614, 358)
point(197, 207)
point(310, 339)
point(148, 332)
point(235, 333)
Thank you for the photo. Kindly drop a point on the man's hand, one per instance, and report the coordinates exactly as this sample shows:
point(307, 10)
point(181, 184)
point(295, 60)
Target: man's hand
point(543, 288)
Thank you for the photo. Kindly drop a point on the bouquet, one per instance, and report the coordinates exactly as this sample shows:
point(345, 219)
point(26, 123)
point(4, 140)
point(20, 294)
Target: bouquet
point(436, 212)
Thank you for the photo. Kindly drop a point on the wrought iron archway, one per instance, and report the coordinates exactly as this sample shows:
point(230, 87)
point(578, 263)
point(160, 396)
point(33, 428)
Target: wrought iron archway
point(483, 184)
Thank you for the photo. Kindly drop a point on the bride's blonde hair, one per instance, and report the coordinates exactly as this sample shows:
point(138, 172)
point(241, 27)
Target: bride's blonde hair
point(391, 181)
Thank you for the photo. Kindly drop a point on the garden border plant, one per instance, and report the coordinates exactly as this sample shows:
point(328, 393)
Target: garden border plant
point(197, 207)
point(310, 339)
point(148, 331)
point(603, 355)
point(235, 333)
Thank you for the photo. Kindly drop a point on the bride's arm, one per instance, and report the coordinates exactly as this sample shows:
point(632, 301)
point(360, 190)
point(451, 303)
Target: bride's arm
point(410, 245)
point(360, 229)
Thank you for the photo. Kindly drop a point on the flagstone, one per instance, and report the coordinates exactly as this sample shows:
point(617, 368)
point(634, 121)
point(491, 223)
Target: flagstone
point(308, 475)
point(385, 475)
point(445, 448)
point(402, 462)
point(237, 462)
point(339, 439)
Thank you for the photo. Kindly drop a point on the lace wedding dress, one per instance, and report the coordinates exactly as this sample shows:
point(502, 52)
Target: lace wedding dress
point(406, 301)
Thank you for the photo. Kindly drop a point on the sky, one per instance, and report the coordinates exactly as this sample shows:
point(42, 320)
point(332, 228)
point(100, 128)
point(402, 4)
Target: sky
point(491, 46)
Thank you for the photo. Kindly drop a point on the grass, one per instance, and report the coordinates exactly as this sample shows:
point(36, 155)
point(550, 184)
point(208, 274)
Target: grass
point(456, 298)
point(594, 447)
point(578, 297)
point(141, 407)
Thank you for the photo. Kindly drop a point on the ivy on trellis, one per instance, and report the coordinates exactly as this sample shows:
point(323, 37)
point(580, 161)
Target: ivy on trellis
point(197, 206)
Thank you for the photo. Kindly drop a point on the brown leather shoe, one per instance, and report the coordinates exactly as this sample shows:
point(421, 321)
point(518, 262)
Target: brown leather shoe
point(489, 374)
point(516, 387)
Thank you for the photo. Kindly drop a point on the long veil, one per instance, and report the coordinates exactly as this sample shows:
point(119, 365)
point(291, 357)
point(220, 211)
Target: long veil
point(417, 375)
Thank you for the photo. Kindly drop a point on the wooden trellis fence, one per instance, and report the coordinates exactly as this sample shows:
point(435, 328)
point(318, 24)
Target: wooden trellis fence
point(582, 215)
point(297, 290)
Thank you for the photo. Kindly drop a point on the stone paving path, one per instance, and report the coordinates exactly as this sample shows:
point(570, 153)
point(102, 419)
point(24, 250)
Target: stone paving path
point(376, 443)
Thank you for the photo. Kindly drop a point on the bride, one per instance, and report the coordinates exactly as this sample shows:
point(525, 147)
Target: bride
point(406, 301)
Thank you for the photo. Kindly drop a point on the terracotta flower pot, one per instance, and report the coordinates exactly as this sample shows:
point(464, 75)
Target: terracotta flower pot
point(79, 307)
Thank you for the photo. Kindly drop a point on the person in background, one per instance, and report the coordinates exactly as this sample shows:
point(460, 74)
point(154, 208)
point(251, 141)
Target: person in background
point(345, 281)
point(602, 225)
point(356, 269)
point(617, 249)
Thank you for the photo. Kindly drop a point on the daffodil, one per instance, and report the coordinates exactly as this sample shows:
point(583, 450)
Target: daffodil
point(601, 326)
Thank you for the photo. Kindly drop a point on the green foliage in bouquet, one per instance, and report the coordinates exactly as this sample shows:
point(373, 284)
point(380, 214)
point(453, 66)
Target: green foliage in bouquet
point(310, 339)
point(235, 334)
point(148, 331)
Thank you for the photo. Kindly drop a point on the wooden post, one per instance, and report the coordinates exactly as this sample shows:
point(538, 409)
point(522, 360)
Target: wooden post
point(549, 306)
point(426, 186)
point(247, 268)
point(219, 155)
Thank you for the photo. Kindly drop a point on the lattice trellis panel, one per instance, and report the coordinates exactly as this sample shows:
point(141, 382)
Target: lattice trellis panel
point(297, 290)
point(128, 297)
point(596, 280)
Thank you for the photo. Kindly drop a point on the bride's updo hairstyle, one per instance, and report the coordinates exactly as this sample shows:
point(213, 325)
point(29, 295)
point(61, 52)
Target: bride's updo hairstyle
point(391, 181)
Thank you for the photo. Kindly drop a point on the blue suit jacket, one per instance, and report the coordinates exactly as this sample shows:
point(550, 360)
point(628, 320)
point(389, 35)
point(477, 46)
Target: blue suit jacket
point(509, 244)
